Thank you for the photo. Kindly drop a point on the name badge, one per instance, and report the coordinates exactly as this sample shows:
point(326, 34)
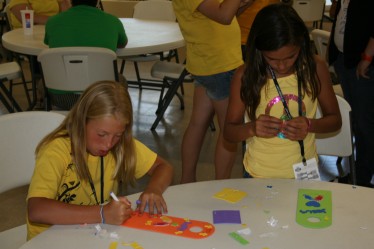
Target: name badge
point(307, 172)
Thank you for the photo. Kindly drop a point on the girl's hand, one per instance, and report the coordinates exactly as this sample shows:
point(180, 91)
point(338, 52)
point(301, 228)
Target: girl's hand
point(266, 126)
point(155, 202)
point(116, 212)
point(362, 69)
point(296, 129)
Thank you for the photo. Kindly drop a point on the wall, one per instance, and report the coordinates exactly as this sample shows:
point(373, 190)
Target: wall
point(119, 8)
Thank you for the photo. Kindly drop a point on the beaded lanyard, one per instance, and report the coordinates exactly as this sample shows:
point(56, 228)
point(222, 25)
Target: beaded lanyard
point(287, 110)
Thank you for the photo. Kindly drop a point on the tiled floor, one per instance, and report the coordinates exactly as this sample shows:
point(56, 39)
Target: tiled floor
point(165, 140)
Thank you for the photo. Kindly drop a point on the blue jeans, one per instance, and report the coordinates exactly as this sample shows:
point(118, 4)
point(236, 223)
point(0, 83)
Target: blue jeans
point(217, 85)
point(360, 95)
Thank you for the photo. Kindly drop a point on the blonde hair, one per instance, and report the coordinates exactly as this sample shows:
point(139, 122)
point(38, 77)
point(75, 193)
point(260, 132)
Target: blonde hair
point(101, 99)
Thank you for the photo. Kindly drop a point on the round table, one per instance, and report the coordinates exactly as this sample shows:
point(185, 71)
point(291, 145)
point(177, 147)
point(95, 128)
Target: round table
point(267, 199)
point(145, 36)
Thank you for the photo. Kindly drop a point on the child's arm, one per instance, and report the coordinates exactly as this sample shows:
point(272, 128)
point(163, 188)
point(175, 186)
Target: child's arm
point(223, 12)
point(299, 127)
point(235, 130)
point(161, 177)
point(47, 211)
point(331, 119)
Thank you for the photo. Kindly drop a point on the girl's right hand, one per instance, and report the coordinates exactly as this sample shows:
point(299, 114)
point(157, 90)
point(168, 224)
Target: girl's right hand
point(266, 126)
point(117, 212)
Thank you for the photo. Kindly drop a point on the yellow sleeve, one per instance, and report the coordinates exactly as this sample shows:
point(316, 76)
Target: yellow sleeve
point(49, 169)
point(145, 159)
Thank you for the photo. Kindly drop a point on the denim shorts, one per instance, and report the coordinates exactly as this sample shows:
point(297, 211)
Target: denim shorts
point(217, 85)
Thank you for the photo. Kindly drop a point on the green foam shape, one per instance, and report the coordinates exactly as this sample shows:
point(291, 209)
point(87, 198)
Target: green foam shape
point(238, 238)
point(314, 208)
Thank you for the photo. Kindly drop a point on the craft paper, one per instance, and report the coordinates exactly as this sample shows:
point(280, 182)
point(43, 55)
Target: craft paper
point(314, 208)
point(226, 217)
point(183, 227)
point(230, 195)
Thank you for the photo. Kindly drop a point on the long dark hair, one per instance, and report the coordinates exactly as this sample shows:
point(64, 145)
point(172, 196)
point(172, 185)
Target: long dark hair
point(275, 26)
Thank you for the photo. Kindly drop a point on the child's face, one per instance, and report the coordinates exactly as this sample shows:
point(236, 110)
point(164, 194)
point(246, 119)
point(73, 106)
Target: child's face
point(282, 60)
point(102, 134)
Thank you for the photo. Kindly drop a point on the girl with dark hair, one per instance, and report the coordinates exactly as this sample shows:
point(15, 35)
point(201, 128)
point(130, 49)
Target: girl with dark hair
point(279, 88)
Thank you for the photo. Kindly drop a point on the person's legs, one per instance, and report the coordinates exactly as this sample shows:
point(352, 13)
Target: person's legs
point(211, 96)
point(225, 152)
point(360, 95)
point(202, 114)
point(343, 77)
point(364, 121)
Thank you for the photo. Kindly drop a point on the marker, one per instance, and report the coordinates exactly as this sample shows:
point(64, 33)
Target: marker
point(113, 195)
point(116, 199)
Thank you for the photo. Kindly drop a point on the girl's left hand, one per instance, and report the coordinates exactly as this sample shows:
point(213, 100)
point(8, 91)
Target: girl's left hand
point(155, 202)
point(296, 129)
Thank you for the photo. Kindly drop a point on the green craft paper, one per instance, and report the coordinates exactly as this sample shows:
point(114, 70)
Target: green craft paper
point(238, 238)
point(314, 208)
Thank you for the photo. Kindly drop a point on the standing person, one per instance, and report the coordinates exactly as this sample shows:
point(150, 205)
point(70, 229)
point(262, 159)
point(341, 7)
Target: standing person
point(212, 34)
point(351, 51)
point(85, 25)
point(246, 18)
point(279, 88)
point(89, 155)
point(43, 9)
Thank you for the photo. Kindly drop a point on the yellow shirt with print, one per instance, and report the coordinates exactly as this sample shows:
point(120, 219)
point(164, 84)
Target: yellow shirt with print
point(275, 157)
point(55, 177)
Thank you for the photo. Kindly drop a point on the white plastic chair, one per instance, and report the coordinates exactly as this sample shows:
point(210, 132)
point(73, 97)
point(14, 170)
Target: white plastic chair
point(172, 75)
point(20, 133)
point(160, 10)
point(339, 143)
point(321, 40)
point(7, 14)
point(310, 10)
point(10, 71)
point(73, 69)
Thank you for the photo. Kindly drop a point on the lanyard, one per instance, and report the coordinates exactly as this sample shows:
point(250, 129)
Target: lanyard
point(287, 110)
point(101, 183)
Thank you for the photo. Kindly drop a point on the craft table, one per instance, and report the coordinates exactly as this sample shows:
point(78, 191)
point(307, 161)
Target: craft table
point(269, 211)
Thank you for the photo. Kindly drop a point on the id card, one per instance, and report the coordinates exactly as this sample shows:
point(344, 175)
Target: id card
point(307, 172)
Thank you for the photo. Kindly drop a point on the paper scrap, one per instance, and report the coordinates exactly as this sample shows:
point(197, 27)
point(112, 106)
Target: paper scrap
point(230, 195)
point(238, 238)
point(226, 217)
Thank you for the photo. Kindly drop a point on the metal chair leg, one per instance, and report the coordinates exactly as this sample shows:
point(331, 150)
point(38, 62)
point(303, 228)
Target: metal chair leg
point(165, 100)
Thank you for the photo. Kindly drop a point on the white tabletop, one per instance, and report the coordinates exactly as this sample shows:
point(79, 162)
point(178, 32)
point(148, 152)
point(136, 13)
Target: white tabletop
point(352, 219)
point(145, 36)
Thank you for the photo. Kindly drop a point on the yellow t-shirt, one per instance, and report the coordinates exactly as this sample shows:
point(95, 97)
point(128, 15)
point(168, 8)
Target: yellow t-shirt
point(246, 18)
point(40, 7)
point(274, 157)
point(55, 177)
point(211, 47)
